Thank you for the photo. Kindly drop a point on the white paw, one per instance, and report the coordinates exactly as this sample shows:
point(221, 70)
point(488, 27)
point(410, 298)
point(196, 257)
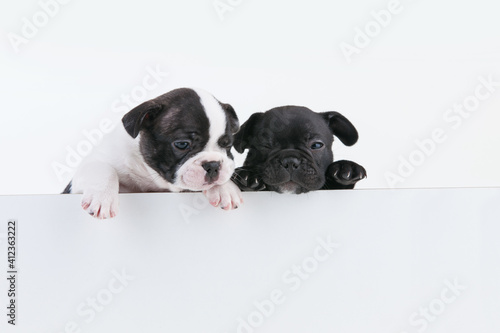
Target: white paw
point(101, 205)
point(226, 196)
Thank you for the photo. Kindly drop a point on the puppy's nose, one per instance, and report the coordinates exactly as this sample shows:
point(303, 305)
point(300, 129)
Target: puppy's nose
point(290, 163)
point(212, 168)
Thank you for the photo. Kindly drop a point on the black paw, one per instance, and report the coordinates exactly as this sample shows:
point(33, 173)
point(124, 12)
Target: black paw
point(247, 180)
point(345, 172)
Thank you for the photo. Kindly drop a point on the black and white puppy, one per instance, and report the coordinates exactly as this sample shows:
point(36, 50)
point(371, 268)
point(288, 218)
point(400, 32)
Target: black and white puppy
point(290, 151)
point(179, 141)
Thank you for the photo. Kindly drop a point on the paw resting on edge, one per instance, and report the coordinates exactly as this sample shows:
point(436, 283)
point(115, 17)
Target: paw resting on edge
point(226, 196)
point(346, 172)
point(100, 205)
point(247, 180)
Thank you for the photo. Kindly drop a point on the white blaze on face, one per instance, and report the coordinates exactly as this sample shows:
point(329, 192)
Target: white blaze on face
point(191, 174)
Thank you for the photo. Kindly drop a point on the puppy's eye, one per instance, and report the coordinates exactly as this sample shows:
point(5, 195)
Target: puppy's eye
point(225, 142)
point(265, 146)
point(181, 145)
point(317, 145)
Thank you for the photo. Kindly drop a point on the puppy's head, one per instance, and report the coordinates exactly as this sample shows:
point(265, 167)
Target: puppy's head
point(185, 136)
point(290, 147)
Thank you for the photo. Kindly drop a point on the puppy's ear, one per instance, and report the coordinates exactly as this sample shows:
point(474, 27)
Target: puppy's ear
point(134, 120)
point(243, 138)
point(341, 127)
point(231, 116)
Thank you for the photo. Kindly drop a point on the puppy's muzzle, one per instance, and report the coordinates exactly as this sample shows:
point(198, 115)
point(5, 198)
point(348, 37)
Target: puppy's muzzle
point(212, 168)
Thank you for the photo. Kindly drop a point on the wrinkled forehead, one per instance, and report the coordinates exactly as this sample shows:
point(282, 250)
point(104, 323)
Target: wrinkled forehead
point(296, 127)
point(175, 119)
point(202, 115)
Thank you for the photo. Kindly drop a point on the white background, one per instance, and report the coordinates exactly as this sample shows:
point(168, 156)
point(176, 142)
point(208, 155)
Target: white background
point(263, 54)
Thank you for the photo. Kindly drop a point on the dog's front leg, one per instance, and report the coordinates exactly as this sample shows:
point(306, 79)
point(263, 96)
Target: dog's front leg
point(99, 184)
point(343, 175)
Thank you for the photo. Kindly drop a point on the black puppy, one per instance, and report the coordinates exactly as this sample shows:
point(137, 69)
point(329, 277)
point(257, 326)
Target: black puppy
point(290, 151)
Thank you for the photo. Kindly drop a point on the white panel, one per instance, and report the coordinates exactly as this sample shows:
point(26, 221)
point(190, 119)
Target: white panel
point(397, 261)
